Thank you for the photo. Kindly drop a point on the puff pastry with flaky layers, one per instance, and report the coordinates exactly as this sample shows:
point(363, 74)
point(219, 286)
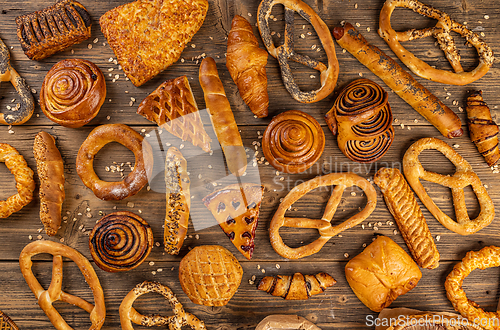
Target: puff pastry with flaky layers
point(149, 36)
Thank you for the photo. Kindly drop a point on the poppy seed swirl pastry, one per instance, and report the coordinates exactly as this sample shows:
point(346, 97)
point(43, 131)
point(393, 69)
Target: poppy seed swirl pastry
point(293, 141)
point(361, 118)
point(120, 241)
point(73, 92)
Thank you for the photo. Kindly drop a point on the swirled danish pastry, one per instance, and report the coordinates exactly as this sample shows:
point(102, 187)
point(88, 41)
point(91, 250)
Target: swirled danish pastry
point(362, 120)
point(120, 241)
point(293, 141)
point(73, 92)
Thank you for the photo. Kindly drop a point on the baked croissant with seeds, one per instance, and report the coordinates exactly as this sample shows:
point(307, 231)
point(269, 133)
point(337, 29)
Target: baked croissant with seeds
point(296, 287)
point(482, 129)
point(246, 63)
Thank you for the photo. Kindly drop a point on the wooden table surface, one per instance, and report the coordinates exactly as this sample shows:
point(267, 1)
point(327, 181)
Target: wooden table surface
point(337, 307)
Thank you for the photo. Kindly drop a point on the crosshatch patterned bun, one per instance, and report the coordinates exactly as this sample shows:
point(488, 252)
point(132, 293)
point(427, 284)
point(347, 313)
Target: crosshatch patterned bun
point(120, 241)
point(6, 323)
point(210, 275)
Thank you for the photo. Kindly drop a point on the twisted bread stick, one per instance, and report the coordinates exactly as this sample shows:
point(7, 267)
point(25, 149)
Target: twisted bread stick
point(403, 206)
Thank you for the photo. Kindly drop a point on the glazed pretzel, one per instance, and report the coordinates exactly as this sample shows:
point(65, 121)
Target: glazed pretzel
point(441, 32)
point(22, 112)
point(285, 52)
point(485, 258)
point(323, 225)
point(47, 297)
point(463, 177)
point(128, 314)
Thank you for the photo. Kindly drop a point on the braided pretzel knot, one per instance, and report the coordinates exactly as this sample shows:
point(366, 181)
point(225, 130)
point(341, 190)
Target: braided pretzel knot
point(323, 225)
point(446, 42)
point(485, 258)
point(22, 112)
point(285, 52)
point(128, 314)
point(463, 177)
point(47, 297)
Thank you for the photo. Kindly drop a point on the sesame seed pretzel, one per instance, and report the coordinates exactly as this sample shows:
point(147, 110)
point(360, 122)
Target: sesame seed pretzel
point(323, 225)
point(47, 297)
point(463, 177)
point(441, 32)
point(485, 258)
point(128, 314)
point(285, 52)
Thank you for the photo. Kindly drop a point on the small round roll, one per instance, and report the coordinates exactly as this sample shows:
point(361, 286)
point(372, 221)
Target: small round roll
point(73, 92)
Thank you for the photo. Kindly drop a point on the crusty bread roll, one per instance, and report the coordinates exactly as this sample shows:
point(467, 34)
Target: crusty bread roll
point(381, 273)
point(222, 117)
point(50, 169)
point(282, 322)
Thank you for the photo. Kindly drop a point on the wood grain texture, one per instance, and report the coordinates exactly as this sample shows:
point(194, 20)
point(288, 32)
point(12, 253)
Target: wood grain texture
point(338, 307)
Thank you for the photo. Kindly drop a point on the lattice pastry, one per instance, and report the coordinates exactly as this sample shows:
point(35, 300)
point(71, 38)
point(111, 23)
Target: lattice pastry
point(43, 33)
point(210, 275)
point(6, 323)
point(236, 209)
point(173, 107)
point(362, 120)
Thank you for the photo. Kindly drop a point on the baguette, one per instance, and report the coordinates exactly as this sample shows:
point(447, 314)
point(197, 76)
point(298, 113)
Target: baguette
point(400, 81)
point(50, 169)
point(403, 206)
point(222, 117)
point(178, 201)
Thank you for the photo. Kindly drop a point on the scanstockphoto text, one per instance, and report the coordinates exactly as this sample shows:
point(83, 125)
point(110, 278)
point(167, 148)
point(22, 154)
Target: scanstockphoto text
point(430, 320)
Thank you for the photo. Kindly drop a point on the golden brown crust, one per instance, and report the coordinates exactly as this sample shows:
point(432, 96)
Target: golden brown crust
point(482, 129)
point(46, 298)
point(23, 175)
point(280, 322)
point(22, 111)
point(135, 181)
point(361, 118)
point(128, 314)
point(486, 257)
point(323, 225)
point(411, 222)
point(381, 273)
point(149, 36)
point(53, 29)
point(120, 241)
point(246, 63)
point(442, 33)
point(6, 323)
point(400, 81)
point(73, 92)
point(210, 275)
point(285, 52)
point(173, 107)
point(463, 177)
point(236, 209)
point(222, 117)
point(297, 286)
point(178, 201)
point(50, 168)
point(293, 141)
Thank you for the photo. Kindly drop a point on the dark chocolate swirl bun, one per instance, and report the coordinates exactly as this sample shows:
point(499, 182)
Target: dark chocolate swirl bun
point(293, 141)
point(120, 241)
point(362, 119)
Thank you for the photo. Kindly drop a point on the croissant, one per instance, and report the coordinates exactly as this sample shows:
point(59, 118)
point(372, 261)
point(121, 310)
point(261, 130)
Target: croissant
point(482, 129)
point(246, 63)
point(296, 287)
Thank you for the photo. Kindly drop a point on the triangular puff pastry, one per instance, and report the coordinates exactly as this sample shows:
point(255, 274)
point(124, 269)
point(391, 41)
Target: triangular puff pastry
point(149, 36)
point(173, 107)
point(236, 209)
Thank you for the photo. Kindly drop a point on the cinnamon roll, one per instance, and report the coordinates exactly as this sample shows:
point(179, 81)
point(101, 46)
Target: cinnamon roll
point(361, 118)
point(73, 92)
point(293, 141)
point(120, 241)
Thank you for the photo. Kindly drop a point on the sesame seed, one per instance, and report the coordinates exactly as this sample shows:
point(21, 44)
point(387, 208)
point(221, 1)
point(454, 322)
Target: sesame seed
point(358, 25)
point(249, 15)
point(151, 263)
point(486, 16)
point(30, 237)
point(130, 204)
point(302, 36)
point(96, 40)
point(456, 146)
point(346, 255)
point(368, 29)
point(438, 238)
point(263, 271)
point(353, 193)
point(89, 46)
point(193, 45)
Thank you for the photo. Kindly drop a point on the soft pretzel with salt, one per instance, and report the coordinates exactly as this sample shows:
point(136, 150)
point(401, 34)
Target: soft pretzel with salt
point(442, 32)
point(323, 225)
point(285, 52)
point(463, 177)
